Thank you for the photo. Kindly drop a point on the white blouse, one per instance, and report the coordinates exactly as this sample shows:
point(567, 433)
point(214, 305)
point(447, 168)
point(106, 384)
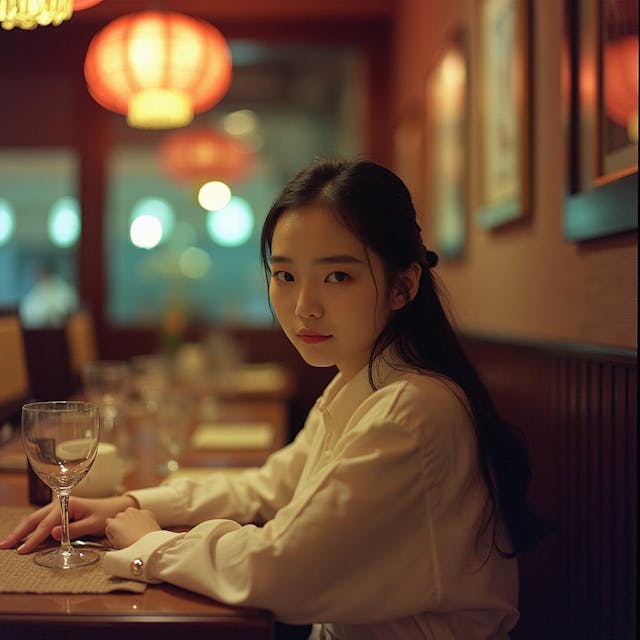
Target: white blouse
point(365, 525)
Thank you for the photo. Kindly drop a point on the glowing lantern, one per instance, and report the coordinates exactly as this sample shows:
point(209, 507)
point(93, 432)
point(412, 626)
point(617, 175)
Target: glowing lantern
point(158, 67)
point(621, 83)
point(196, 156)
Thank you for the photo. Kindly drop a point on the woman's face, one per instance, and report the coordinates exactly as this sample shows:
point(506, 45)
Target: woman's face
point(330, 296)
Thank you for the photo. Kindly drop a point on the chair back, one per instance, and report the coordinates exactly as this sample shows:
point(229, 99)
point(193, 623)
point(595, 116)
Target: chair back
point(14, 381)
point(81, 341)
point(48, 363)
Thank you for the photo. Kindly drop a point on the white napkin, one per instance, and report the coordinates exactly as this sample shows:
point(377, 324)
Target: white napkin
point(263, 378)
point(233, 435)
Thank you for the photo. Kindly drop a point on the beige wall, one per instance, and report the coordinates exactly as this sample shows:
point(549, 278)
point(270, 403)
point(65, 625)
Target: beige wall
point(524, 280)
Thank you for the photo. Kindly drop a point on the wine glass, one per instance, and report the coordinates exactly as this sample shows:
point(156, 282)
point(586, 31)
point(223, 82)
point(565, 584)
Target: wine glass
point(172, 422)
point(61, 440)
point(150, 379)
point(106, 383)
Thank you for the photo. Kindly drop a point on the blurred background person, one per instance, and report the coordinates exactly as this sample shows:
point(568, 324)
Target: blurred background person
point(49, 301)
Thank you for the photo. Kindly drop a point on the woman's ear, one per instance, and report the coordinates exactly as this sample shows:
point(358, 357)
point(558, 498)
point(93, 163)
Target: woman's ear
point(406, 286)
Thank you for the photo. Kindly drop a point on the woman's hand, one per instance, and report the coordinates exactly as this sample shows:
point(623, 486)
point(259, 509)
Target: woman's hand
point(129, 526)
point(87, 516)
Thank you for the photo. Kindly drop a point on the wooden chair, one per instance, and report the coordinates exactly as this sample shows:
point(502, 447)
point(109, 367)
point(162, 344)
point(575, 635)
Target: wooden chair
point(55, 356)
point(81, 341)
point(48, 363)
point(14, 381)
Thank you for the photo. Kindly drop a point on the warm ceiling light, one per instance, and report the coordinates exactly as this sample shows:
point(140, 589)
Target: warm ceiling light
point(28, 14)
point(158, 67)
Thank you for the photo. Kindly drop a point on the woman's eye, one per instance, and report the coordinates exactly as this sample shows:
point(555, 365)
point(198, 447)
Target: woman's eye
point(337, 276)
point(283, 276)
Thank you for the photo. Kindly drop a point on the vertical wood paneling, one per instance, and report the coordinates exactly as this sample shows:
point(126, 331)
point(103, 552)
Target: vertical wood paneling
point(581, 427)
point(606, 584)
point(632, 501)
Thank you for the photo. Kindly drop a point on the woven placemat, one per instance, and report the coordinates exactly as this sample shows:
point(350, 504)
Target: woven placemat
point(20, 574)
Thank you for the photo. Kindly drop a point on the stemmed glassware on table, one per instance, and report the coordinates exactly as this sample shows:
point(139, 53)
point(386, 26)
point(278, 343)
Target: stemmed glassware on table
point(172, 422)
point(150, 379)
point(106, 383)
point(61, 440)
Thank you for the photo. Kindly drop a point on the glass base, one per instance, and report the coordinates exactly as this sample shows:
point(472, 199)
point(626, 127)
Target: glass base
point(59, 559)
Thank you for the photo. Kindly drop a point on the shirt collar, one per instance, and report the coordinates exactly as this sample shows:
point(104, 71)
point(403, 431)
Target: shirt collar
point(341, 398)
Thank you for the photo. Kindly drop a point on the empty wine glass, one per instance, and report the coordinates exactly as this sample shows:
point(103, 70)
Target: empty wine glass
point(61, 440)
point(106, 383)
point(150, 379)
point(172, 422)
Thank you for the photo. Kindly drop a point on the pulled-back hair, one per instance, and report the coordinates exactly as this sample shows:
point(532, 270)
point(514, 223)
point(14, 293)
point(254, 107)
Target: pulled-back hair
point(375, 205)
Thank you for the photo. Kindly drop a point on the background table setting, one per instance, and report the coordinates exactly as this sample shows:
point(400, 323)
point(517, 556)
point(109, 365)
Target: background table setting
point(155, 423)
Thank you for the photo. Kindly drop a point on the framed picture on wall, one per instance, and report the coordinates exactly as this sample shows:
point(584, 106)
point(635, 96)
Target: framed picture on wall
point(408, 150)
point(504, 99)
point(600, 107)
point(447, 165)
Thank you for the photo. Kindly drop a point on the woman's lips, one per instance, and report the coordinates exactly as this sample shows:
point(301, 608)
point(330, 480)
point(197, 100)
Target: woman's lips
point(312, 338)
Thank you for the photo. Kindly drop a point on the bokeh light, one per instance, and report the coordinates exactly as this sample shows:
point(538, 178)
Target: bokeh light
point(233, 225)
point(158, 208)
point(214, 195)
point(240, 123)
point(146, 231)
point(7, 221)
point(194, 263)
point(63, 222)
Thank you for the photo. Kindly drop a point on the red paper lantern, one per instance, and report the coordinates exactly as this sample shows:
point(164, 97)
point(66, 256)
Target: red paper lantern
point(195, 156)
point(158, 67)
point(621, 80)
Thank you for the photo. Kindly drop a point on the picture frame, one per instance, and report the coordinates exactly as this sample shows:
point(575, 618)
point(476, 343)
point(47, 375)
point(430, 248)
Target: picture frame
point(408, 151)
point(447, 104)
point(504, 91)
point(602, 157)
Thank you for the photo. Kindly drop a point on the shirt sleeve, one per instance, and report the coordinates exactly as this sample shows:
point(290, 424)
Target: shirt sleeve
point(253, 495)
point(361, 531)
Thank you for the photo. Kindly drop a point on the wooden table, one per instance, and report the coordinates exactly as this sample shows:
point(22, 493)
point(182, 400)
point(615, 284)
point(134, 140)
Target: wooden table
point(162, 611)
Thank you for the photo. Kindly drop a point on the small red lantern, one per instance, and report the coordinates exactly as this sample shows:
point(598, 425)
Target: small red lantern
point(158, 67)
point(621, 81)
point(195, 156)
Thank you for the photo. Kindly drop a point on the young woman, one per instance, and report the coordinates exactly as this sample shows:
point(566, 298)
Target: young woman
point(398, 510)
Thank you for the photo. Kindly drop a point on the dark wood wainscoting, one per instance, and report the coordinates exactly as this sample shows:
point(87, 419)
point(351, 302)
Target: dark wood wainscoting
point(578, 410)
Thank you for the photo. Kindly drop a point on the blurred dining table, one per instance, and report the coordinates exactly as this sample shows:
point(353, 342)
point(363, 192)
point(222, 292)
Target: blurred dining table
point(162, 610)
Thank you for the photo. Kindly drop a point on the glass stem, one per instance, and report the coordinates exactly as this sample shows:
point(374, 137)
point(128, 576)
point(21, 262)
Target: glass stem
point(65, 542)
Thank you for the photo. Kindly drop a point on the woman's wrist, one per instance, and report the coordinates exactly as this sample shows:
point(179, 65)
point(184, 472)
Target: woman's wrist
point(130, 501)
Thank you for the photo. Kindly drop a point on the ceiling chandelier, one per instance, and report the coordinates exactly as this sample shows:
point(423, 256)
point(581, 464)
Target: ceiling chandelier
point(29, 14)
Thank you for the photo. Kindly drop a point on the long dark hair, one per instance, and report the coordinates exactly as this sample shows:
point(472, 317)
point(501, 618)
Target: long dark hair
point(375, 205)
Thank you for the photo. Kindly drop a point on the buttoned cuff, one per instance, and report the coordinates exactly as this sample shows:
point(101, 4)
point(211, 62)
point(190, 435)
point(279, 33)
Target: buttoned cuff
point(134, 562)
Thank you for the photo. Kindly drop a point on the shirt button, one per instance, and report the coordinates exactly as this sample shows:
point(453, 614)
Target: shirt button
point(136, 566)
